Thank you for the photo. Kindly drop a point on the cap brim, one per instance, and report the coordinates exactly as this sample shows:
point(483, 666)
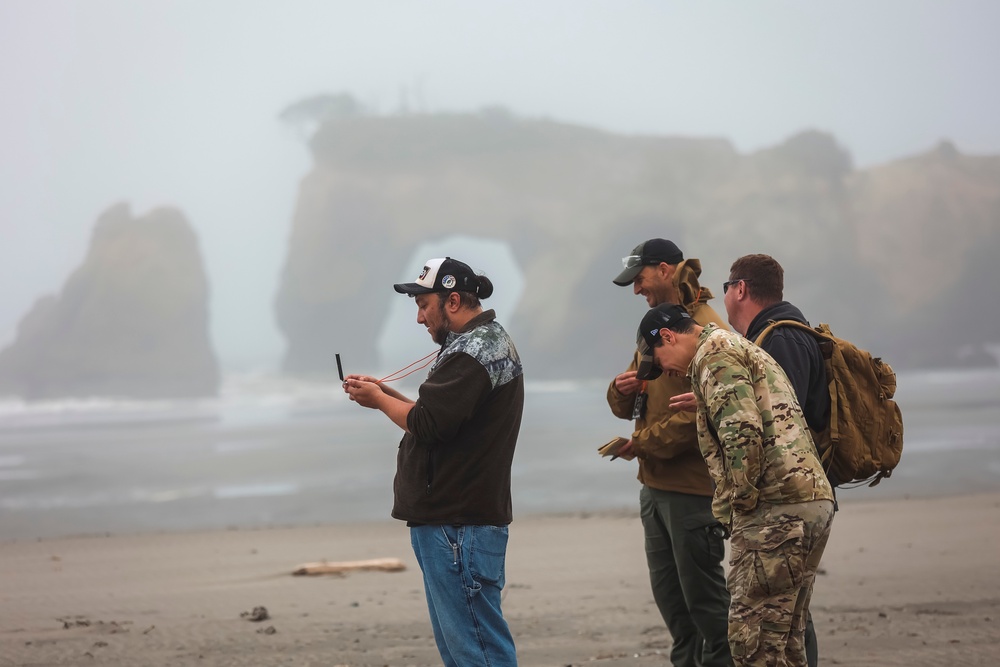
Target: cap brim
point(627, 277)
point(647, 370)
point(411, 288)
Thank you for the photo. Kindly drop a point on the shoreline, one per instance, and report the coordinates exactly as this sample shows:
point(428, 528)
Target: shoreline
point(257, 468)
point(17, 523)
point(907, 582)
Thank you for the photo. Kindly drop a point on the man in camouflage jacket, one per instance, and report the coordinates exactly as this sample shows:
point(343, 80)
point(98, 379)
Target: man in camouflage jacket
point(770, 488)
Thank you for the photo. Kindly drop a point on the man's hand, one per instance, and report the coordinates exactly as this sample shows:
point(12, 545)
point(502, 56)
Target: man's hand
point(684, 402)
point(360, 378)
point(626, 383)
point(625, 452)
point(363, 390)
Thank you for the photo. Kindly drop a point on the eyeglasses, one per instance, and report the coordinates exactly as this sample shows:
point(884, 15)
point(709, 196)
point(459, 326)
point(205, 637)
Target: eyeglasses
point(632, 261)
point(726, 285)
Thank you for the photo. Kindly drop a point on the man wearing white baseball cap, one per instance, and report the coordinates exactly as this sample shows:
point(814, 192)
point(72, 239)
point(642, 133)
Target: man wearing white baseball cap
point(452, 483)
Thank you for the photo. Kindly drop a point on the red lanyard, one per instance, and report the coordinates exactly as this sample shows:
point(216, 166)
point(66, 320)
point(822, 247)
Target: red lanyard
point(390, 377)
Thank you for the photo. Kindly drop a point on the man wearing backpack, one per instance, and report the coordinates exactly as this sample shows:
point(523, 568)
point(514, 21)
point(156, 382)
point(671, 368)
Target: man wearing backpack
point(770, 488)
point(753, 298)
point(683, 540)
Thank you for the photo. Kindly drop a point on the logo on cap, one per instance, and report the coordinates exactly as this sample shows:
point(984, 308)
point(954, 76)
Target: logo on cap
point(423, 274)
point(448, 282)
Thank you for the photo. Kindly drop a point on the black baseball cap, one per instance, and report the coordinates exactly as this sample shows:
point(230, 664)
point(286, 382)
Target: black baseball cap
point(442, 274)
point(650, 253)
point(663, 316)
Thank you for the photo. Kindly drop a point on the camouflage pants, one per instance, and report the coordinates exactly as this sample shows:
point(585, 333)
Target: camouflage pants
point(775, 554)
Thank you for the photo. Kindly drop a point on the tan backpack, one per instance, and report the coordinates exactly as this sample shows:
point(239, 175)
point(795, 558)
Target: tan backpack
point(866, 426)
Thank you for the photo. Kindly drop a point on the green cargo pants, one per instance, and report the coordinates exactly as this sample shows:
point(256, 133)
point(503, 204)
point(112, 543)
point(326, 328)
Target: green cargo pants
point(684, 552)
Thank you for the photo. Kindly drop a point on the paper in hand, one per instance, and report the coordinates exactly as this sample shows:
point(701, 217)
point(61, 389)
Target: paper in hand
point(613, 448)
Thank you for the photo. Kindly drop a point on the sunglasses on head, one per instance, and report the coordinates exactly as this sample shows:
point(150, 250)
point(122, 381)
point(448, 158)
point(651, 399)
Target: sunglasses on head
point(634, 260)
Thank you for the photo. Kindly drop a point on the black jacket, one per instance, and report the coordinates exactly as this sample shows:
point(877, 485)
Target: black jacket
point(799, 356)
point(453, 466)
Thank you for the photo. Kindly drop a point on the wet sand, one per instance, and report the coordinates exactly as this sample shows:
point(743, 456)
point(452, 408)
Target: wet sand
point(906, 582)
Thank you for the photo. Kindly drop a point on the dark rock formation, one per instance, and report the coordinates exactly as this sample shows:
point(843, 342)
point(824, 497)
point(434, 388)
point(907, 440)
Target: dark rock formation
point(864, 250)
point(132, 321)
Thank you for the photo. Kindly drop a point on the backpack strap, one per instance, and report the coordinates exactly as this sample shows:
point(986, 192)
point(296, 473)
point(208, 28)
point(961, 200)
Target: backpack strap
point(774, 324)
point(830, 433)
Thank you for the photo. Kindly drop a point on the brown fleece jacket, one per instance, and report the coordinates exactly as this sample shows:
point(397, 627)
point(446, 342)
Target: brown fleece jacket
point(666, 441)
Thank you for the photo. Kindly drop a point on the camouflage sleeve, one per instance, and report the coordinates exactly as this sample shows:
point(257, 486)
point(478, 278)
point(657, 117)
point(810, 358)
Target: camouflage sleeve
point(712, 453)
point(732, 410)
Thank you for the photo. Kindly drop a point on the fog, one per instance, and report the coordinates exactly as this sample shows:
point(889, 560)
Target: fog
point(177, 102)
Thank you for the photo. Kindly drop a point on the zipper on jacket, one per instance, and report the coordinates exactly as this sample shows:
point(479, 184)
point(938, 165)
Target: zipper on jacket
point(430, 470)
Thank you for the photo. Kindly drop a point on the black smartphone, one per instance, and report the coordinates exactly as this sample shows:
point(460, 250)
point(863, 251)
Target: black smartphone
point(340, 369)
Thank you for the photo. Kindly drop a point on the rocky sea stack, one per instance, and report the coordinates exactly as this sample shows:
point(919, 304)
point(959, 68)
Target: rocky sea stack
point(131, 321)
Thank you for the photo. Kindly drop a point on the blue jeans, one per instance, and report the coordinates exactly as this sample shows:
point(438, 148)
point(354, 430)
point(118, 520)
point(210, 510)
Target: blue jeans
point(463, 570)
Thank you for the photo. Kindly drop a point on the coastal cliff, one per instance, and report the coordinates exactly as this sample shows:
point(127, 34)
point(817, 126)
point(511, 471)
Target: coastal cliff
point(570, 201)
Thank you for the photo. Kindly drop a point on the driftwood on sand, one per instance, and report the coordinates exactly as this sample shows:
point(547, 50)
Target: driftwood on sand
point(341, 567)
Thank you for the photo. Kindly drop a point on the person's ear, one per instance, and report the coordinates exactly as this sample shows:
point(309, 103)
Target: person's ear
point(667, 335)
point(453, 301)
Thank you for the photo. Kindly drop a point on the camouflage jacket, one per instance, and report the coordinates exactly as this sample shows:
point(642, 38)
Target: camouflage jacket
point(751, 429)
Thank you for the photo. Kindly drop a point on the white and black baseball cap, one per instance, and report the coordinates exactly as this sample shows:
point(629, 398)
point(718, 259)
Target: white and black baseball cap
point(442, 274)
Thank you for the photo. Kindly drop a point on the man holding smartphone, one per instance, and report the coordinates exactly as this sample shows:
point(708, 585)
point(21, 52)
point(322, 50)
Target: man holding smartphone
point(453, 468)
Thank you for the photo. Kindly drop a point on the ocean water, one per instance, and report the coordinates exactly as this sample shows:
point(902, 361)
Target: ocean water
point(274, 451)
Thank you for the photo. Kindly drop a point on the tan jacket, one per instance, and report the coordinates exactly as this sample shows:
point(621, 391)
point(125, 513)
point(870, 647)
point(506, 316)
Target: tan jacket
point(666, 441)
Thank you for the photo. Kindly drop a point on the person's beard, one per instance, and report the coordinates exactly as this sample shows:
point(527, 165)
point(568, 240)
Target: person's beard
point(440, 335)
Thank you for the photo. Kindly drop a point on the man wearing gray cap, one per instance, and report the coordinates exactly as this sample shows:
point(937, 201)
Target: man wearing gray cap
point(452, 483)
point(683, 540)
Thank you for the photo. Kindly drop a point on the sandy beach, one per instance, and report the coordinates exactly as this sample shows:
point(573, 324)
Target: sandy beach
point(905, 582)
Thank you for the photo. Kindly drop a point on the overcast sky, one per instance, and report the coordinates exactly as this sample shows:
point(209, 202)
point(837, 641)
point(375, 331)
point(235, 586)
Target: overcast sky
point(175, 102)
